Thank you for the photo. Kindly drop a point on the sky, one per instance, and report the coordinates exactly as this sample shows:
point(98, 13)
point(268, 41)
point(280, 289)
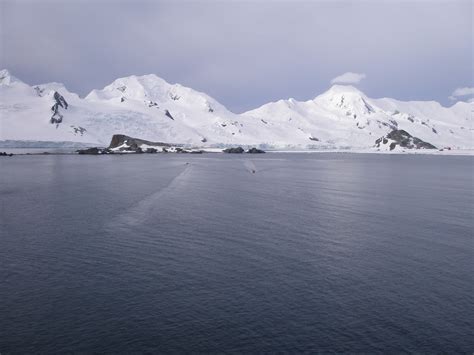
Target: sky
point(246, 53)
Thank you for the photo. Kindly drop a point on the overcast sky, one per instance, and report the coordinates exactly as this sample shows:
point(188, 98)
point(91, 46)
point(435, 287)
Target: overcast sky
point(245, 53)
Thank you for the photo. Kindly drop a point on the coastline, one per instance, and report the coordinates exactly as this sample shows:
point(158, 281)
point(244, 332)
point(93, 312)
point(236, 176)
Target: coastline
point(54, 151)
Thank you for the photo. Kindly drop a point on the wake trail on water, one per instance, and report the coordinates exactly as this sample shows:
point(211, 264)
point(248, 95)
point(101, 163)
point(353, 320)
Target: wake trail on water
point(141, 211)
point(250, 166)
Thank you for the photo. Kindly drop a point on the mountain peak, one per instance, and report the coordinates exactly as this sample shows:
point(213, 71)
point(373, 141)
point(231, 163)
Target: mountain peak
point(50, 88)
point(151, 89)
point(147, 80)
point(347, 98)
point(6, 78)
point(133, 86)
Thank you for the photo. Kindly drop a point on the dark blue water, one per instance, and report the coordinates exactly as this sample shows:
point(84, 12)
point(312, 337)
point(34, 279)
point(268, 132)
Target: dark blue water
point(312, 252)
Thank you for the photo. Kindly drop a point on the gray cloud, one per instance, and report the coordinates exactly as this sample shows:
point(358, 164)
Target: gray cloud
point(244, 53)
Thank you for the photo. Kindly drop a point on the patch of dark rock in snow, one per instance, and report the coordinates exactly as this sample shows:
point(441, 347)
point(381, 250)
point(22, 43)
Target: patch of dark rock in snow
point(57, 117)
point(168, 114)
point(174, 97)
point(39, 91)
point(342, 101)
point(79, 130)
point(403, 139)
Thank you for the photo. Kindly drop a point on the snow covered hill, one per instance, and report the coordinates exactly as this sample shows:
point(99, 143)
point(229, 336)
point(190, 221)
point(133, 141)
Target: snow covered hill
point(150, 108)
point(345, 117)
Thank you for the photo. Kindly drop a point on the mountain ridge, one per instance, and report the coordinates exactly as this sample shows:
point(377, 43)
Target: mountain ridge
point(149, 107)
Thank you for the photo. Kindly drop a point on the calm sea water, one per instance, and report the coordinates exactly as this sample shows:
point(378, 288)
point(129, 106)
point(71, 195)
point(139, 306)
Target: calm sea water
point(312, 252)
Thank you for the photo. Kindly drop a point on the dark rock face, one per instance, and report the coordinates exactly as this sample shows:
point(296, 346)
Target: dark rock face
point(121, 139)
point(57, 117)
point(314, 139)
point(60, 100)
point(39, 91)
point(79, 130)
point(238, 150)
point(168, 114)
point(403, 139)
point(127, 145)
point(255, 151)
point(5, 154)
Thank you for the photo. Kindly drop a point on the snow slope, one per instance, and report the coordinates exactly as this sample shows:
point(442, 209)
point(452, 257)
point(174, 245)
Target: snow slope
point(148, 107)
point(345, 117)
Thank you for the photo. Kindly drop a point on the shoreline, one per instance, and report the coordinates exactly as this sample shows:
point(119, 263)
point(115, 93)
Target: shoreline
point(219, 151)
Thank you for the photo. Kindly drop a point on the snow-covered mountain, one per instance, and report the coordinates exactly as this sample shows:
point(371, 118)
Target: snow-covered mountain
point(345, 117)
point(150, 108)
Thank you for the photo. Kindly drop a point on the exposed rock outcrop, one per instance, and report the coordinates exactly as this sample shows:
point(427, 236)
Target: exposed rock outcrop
point(402, 138)
point(255, 151)
point(238, 150)
point(168, 114)
point(59, 101)
point(93, 151)
point(120, 141)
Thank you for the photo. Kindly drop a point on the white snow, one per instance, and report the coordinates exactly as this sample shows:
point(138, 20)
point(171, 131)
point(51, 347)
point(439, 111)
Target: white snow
point(149, 108)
